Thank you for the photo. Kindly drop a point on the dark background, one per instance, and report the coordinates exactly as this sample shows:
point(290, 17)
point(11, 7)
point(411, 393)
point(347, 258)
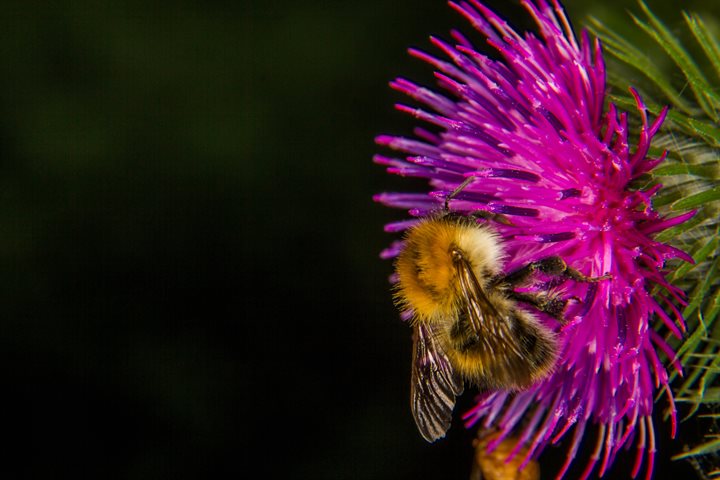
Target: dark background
point(189, 271)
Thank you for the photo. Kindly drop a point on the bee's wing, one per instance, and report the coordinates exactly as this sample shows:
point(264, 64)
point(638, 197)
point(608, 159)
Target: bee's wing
point(514, 350)
point(434, 385)
point(483, 315)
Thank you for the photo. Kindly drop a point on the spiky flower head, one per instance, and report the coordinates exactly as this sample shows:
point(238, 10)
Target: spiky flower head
point(532, 126)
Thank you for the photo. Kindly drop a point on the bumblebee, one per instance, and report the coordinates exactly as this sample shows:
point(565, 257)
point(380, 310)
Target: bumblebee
point(467, 324)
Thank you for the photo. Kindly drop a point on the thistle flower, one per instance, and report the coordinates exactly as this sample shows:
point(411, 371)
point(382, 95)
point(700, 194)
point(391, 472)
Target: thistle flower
point(532, 127)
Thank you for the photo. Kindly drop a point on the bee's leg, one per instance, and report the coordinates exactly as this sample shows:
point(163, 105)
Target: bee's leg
point(554, 266)
point(494, 217)
point(552, 305)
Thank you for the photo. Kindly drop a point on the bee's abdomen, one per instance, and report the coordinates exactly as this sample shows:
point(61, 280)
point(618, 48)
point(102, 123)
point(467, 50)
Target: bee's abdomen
point(515, 356)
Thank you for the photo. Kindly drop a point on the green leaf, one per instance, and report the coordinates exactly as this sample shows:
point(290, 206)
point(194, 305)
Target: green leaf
point(618, 47)
point(702, 449)
point(697, 127)
point(672, 233)
point(702, 288)
point(708, 361)
point(698, 199)
point(704, 38)
point(702, 254)
point(672, 195)
point(704, 170)
point(704, 95)
point(712, 312)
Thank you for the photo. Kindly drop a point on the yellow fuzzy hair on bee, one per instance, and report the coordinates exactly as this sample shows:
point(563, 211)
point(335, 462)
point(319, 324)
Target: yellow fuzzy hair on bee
point(428, 282)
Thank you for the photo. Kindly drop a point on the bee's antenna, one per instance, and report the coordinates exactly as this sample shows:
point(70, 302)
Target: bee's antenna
point(459, 189)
